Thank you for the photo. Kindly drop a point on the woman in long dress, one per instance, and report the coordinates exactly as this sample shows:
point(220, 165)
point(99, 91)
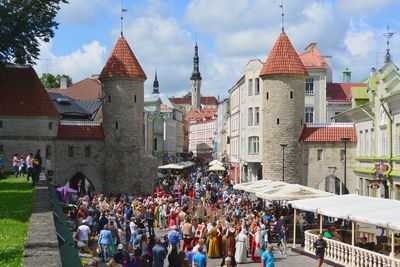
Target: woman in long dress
point(241, 247)
point(255, 246)
point(213, 247)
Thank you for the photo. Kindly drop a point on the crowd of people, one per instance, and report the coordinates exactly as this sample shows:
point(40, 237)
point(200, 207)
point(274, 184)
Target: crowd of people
point(191, 218)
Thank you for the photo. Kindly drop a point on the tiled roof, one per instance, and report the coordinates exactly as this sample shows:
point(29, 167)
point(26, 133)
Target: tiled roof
point(122, 63)
point(311, 57)
point(331, 132)
point(23, 94)
point(86, 90)
point(74, 132)
point(341, 92)
point(187, 100)
point(283, 59)
point(205, 114)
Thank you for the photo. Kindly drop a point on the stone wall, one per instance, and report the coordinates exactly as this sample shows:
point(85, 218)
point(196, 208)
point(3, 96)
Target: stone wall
point(330, 163)
point(123, 123)
point(290, 113)
point(92, 167)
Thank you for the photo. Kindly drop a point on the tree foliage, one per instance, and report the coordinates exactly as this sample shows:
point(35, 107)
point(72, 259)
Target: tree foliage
point(51, 81)
point(23, 25)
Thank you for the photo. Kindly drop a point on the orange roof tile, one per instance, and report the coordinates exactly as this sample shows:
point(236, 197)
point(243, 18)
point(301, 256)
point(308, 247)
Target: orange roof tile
point(80, 132)
point(187, 100)
point(86, 90)
point(311, 57)
point(283, 59)
point(23, 94)
point(328, 133)
point(122, 63)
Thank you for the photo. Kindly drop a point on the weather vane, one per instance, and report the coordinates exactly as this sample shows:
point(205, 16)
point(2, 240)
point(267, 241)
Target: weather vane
point(122, 17)
point(283, 15)
point(388, 35)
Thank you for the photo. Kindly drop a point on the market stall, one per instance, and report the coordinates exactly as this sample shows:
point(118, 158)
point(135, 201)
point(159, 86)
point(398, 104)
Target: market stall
point(355, 208)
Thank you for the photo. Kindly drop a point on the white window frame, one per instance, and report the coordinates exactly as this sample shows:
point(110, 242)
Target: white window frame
point(250, 87)
point(250, 117)
point(253, 145)
point(309, 86)
point(256, 116)
point(306, 114)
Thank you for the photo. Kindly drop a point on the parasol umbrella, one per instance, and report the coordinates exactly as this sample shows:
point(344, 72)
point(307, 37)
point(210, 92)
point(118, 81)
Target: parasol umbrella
point(216, 167)
point(63, 192)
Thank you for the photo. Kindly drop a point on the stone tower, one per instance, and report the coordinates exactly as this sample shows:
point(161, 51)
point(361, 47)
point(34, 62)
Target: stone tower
point(283, 78)
point(128, 168)
point(156, 86)
point(196, 79)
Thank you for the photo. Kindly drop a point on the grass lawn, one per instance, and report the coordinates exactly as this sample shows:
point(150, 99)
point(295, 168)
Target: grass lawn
point(16, 197)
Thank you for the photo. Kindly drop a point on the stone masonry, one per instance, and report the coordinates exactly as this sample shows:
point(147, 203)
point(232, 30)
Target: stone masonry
point(283, 123)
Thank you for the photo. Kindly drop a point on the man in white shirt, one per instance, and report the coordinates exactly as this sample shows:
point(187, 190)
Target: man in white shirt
point(83, 233)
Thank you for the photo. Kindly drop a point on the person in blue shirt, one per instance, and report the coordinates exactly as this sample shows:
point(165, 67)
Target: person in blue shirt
point(105, 240)
point(173, 237)
point(200, 258)
point(267, 258)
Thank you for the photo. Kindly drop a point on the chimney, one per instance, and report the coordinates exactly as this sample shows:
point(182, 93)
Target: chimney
point(63, 83)
point(347, 75)
point(373, 72)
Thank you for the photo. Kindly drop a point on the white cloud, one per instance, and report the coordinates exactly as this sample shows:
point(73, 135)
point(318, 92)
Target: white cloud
point(360, 44)
point(361, 7)
point(162, 42)
point(79, 64)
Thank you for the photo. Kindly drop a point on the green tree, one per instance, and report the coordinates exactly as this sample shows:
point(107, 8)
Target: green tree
point(23, 24)
point(51, 81)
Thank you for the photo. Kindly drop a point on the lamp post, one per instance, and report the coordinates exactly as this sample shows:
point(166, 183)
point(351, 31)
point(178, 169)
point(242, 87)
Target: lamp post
point(345, 140)
point(283, 161)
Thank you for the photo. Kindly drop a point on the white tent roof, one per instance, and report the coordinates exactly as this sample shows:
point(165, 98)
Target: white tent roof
point(253, 187)
point(177, 166)
point(216, 167)
point(290, 192)
point(376, 211)
point(215, 161)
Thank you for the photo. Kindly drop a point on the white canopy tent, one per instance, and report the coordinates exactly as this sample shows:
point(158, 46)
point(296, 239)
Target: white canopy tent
point(216, 167)
point(214, 162)
point(253, 187)
point(177, 166)
point(376, 211)
point(290, 192)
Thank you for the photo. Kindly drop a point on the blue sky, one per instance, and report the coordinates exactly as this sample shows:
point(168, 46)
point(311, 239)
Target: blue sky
point(230, 33)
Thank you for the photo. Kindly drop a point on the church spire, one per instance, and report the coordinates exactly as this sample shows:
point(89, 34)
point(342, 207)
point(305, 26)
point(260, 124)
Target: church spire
point(155, 84)
point(196, 72)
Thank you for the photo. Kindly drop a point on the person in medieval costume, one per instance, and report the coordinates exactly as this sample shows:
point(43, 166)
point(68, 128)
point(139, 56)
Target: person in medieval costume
point(241, 247)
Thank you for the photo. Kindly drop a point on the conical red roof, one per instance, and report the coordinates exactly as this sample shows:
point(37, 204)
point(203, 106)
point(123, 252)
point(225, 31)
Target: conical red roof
point(283, 59)
point(122, 63)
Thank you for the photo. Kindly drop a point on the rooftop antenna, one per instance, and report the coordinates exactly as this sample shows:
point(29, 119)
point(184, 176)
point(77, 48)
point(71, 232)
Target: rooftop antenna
point(283, 15)
point(388, 35)
point(122, 17)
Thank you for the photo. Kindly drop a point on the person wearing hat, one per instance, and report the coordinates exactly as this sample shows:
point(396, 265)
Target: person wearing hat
point(119, 254)
point(242, 243)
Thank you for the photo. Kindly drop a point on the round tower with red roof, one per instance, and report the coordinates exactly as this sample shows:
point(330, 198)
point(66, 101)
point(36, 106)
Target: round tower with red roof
point(283, 77)
point(128, 168)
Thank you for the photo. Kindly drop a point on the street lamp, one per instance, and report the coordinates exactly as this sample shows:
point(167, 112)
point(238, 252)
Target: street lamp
point(283, 161)
point(345, 140)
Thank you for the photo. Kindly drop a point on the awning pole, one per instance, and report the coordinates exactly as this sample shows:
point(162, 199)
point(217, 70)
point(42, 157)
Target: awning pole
point(294, 228)
point(352, 243)
point(320, 223)
point(392, 250)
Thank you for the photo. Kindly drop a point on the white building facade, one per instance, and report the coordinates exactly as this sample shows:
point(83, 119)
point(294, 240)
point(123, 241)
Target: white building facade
point(201, 138)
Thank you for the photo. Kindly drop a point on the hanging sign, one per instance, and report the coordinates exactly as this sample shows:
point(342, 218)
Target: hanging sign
point(374, 184)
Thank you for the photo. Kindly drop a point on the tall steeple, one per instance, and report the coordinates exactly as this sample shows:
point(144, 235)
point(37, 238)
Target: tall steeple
point(196, 79)
point(155, 84)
